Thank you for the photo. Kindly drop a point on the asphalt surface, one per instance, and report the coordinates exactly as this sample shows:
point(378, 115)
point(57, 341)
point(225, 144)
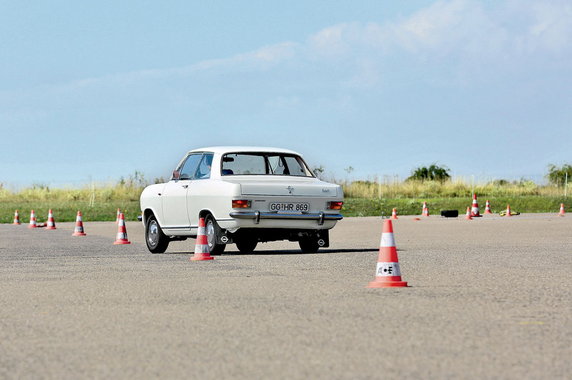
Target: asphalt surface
point(488, 298)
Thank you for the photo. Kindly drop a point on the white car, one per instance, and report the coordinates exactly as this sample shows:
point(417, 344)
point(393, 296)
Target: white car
point(246, 195)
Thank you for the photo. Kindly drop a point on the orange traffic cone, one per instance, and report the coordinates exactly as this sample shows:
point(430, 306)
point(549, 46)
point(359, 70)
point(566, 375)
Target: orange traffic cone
point(387, 272)
point(16, 218)
point(475, 207)
point(121, 231)
point(78, 230)
point(394, 214)
point(488, 208)
point(508, 212)
point(51, 224)
point(117, 217)
point(562, 212)
point(425, 211)
point(202, 244)
point(33, 223)
point(469, 214)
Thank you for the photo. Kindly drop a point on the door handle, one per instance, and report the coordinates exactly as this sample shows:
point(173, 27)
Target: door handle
point(185, 186)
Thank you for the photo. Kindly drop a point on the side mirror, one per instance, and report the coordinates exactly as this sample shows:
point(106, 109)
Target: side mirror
point(176, 175)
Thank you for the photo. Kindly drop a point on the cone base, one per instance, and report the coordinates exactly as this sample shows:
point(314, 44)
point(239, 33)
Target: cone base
point(50, 228)
point(387, 284)
point(79, 234)
point(16, 224)
point(477, 216)
point(201, 257)
point(116, 242)
point(32, 226)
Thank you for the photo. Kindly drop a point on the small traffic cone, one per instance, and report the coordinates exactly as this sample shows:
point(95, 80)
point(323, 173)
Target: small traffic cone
point(425, 211)
point(121, 231)
point(562, 212)
point(117, 217)
point(475, 207)
point(508, 212)
point(202, 244)
point(51, 224)
point(469, 214)
point(488, 208)
point(16, 218)
point(387, 272)
point(394, 214)
point(78, 230)
point(33, 223)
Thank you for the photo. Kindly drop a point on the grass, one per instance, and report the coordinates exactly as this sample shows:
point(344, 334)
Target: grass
point(363, 198)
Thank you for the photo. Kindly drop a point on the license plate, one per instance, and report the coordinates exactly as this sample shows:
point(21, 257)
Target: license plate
point(289, 207)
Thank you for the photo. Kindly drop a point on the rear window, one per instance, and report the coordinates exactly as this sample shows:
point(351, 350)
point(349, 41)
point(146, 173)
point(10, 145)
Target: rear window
point(264, 164)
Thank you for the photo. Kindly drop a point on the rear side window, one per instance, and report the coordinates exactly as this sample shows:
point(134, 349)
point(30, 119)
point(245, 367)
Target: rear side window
point(264, 164)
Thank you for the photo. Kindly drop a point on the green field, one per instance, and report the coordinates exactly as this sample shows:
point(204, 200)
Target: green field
point(363, 198)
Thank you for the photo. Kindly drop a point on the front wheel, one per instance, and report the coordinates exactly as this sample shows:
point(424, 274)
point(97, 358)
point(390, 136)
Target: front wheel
point(212, 232)
point(157, 241)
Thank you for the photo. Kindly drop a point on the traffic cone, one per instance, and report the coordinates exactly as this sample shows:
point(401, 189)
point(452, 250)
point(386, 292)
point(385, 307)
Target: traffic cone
point(51, 224)
point(425, 211)
point(394, 214)
point(562, 212)
point(508, 212)
point(475, 207)
point(387, 272)
point(16, 218)
point(117, 217)
point(78, 230)
point(121, 231)
point(469, 214)
point(488, 208)
point(33, 223)
point(202, 244)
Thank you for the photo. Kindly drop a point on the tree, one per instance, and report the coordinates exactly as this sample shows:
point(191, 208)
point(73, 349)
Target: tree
point(557, 174)
point(431, 173)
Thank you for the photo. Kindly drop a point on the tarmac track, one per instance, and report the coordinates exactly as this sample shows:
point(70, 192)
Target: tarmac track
point(489, 298)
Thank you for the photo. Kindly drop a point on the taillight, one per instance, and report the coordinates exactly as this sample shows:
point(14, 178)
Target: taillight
point(240, 203)
point(335, 205)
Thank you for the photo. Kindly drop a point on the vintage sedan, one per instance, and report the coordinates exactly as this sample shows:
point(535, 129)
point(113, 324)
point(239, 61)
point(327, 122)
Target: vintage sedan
point(246, 195)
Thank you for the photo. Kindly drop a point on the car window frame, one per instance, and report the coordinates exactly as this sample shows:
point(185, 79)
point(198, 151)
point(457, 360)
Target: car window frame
point(268, 170)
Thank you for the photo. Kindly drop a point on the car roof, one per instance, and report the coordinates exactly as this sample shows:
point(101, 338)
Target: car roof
point(236, 149)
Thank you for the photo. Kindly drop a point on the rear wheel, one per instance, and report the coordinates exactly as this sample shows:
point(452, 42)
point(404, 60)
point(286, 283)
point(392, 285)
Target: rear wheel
point(246, 244)
point(309, 245)
point(157, 241)
point(213, 232)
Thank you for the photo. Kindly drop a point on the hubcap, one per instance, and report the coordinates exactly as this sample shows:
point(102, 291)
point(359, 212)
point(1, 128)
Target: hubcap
point(210, 231)
point(153, 233)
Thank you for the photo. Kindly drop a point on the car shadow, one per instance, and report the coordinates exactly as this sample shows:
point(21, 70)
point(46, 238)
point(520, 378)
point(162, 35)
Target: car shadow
point(282, 252)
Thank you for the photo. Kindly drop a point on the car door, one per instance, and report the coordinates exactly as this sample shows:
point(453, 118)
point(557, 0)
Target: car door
point(199, 192)
point(174, 196)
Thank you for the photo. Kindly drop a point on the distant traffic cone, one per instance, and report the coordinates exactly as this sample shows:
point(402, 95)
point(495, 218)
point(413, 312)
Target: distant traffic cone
point(33, 223)
point(16, 218)
point(508, 212)
point(562, 212)
point(121, 231)
point(78, 230)
point(51, 224)
point(394, 214)
point(475, 207)
point(202, 244)
point(488, 208)
point(469, 214)
point(117, 217)
point(387, 272)
point(425, 211)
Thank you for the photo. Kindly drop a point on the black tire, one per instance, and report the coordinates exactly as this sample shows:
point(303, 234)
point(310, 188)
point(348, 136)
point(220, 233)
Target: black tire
point(157, 241)
point(309, 245)
point(246, 244)
point(212, 231)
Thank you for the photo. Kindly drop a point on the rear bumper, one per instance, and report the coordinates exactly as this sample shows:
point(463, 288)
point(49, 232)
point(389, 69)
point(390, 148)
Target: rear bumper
point(257, 216)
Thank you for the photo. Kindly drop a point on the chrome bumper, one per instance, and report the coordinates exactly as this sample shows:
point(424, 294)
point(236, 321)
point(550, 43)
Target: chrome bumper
point(257, 215)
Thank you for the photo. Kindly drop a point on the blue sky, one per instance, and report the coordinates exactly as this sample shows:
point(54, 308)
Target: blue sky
point(92, 91)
